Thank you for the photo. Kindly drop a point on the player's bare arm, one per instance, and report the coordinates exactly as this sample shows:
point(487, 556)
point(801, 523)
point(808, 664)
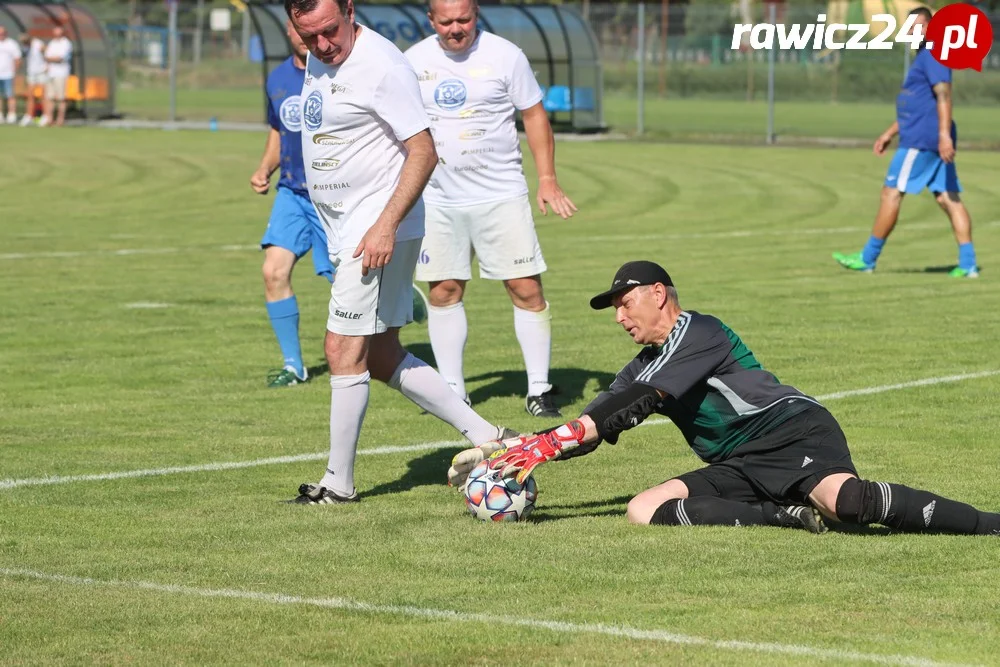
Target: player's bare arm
point(378, 243)
point(885, 138)
point(260, 181)
point(946, 147)
point(543, 150)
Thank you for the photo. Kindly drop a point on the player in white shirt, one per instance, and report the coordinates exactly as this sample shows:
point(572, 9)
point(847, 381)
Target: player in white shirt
point(36, 73)
point(472, 83)
point(10, 58)
point(368, 155)
point(59, 55)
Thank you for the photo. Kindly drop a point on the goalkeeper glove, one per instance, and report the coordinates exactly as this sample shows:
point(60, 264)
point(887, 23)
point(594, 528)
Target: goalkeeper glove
point(524, 458)
point(466, 460)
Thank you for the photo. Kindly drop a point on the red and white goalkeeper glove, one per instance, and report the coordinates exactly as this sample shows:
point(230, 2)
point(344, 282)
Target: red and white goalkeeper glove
point(463, 462)
point(522, 459)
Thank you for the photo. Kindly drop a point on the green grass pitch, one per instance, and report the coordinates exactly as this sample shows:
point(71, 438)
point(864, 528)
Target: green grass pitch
point(133, 336)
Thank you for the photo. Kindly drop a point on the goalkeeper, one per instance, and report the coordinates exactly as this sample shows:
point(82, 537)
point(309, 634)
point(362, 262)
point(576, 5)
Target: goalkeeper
point(775, 456)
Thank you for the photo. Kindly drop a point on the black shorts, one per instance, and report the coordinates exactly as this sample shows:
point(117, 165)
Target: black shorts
point(782, 466)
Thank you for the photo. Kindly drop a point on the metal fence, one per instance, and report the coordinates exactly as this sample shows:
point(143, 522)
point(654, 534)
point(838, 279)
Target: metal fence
point(669, 70)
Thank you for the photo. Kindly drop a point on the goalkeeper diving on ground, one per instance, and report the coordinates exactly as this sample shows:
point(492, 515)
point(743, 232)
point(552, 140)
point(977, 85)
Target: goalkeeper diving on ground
point(776, 457)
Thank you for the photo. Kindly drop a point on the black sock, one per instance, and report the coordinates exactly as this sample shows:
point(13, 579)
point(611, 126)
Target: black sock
point(708, 511)
point(908, 510)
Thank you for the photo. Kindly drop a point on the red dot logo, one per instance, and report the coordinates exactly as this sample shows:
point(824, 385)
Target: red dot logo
point(960, 36)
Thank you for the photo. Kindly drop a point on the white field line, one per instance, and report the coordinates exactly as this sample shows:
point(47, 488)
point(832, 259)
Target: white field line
point(319, 456)
point(745, 233)
point(124, 252)
point(561, 627)
point(733, 234)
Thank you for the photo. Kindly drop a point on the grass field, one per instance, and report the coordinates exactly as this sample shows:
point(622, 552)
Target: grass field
point(133, 338)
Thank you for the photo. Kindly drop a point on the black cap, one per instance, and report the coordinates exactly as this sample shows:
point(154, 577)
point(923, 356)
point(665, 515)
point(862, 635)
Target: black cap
point(632, 274)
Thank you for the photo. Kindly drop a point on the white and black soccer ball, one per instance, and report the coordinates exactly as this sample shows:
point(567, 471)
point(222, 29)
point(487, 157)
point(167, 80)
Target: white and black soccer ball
point(490, 498)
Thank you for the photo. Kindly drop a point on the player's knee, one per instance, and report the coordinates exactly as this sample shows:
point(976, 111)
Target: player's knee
point(276, 274)
point(446, 293)
point(640, 509)
point(526, 293)
point(891, 195)
point(863, 502)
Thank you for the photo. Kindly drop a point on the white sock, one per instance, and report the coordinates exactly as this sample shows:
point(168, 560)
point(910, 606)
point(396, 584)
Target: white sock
point(348, 403)
point(534, 333)
point(424, 386)
point(449, 329)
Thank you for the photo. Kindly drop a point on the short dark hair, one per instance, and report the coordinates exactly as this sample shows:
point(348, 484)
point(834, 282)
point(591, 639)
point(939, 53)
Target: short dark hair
point(922, 11)
point(306, 6)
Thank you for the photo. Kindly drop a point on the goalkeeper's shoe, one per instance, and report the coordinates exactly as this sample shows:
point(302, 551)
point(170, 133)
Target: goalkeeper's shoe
point(314, 494)
point(959, 272)
point(542, 406)
point(287, 377)
point(854, 262)
point(795, 516)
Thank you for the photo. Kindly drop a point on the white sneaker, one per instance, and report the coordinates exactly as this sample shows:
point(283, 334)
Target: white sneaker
point(26, 121)
point(11, 118)
point(44, 121)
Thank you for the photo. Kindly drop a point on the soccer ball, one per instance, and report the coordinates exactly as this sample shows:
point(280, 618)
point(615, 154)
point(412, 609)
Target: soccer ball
point(490, 498)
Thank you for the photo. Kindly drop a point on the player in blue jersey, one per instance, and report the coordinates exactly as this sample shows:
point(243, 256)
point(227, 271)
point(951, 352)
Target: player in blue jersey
point(294, 228)
point(925, 159)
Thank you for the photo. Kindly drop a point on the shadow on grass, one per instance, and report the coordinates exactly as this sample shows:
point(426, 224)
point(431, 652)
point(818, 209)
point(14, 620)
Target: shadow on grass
point(927, 269)
point(570, 384)
point(543, 515)
point(431, 469)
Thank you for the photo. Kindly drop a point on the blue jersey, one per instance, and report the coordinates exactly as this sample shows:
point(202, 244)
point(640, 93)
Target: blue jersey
point(916, 104)
point(284, 114)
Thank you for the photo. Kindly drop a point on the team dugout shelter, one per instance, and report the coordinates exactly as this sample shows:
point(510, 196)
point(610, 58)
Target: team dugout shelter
point(559, 44)
point(90, 89)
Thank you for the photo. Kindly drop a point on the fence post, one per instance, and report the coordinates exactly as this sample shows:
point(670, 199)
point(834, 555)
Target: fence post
point(770, 79)
point(172, 36)
point(641, 81)
point(198, 26)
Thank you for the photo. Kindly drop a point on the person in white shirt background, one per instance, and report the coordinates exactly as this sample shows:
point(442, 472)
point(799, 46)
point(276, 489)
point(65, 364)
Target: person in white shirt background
point(368, 154)
point(59, 55)
point(36, 73)
point(10, 58)
point(472, 84)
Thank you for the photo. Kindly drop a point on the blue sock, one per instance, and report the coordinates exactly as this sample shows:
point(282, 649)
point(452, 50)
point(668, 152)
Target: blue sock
point(284, 316)
point(872, 250)
point(966, 256)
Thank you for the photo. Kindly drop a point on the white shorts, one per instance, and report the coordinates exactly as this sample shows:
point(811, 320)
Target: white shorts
point(37, 79)
point(502, 235)
point(368, 305)
point(55, 89)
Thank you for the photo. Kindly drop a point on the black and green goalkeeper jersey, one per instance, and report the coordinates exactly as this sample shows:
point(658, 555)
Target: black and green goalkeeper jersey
point(717, 392)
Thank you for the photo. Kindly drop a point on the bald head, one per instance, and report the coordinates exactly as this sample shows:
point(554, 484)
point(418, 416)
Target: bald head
point(455, 22)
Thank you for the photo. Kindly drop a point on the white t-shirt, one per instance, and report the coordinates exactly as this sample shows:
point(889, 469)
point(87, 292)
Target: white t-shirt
point(471, 99)
point(10, 53)
point(36, 58)
point(62, 49)
point(355, 118)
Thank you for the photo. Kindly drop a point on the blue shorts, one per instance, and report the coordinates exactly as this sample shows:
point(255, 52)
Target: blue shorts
point(295, 226)
point(7, 88)
point(913, 169)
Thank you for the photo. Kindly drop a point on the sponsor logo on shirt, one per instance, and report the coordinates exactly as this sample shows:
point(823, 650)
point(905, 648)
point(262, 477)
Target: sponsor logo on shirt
point(312, 111)
point(473, 167)
point(472, 135)
point(450, 94)
point(474, 113)
point(325, 164)
point(337, 88)
point(427, 76)
point(480, 72)
point(290, 113)
point(331, 140)
point(331, 207)
point(331, 186)
point(477, 151)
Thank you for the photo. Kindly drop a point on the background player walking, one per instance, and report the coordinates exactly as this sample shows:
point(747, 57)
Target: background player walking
point(472, 84)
